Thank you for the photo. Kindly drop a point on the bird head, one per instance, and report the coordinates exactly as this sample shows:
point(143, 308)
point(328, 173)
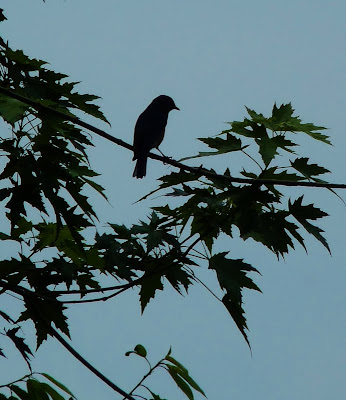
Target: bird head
point(164, 102)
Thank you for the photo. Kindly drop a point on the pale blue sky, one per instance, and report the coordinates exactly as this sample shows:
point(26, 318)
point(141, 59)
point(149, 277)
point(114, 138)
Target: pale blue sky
point(212, 58)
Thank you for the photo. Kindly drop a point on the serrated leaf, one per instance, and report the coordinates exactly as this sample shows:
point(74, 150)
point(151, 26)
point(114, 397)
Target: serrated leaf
point(303, 213)
point(268, 147)
point(149, 286)
point(281, 114)
point(20, 344)
point(306, 169)
point(232, 277)
point(222, 145)
point(44, 313)
point(234, 307)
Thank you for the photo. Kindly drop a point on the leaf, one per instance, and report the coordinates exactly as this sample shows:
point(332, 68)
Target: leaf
point(11, 110)
point(308, 170)
point(271, 173)
point(268, 147)
point(283, 120)
point(176, 276)
point(182, 385)
point(232, 273)
point(149, 286)
point(155, 396)
point(2, 16)
point(248, 128)
point(20, 344)
point(36, 390)
point(227, 145)
point(22, 394)
point(183, 372)
point(82, 102)
point(140, 350)
point(44, 312)
point(281, 115)
point(58, 384)
point(232, 276)
point(237, 312)
point(52, 392)
point(6, 317)
point(303, 213)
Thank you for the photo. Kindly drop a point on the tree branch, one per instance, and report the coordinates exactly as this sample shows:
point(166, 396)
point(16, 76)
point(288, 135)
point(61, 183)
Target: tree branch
point(88, 365)
point(199, 171)
point(23, 291)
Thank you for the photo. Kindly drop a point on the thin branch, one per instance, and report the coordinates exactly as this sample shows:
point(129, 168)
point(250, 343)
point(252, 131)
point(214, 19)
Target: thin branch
point(247, 154)
point(90, 367)
point(198, 171)
point(146, 376)
point(18, 380)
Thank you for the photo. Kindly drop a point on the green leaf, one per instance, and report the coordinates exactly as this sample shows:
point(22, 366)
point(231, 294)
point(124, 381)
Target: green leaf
point(182, 385)
point(52, 392)
point(268, 147)
point(155, 396)
point(308, 170)
point(11, 110)
point(271, 173)
point(35, 390)
point(283, 120)
point(149, 286)
point(22, 394)
point(58, 384)
point(232, 276)
point(234, 307)
point(183, 372)
point(227, 145)
point(281, 115)
point(140, 350)
point(303, 213)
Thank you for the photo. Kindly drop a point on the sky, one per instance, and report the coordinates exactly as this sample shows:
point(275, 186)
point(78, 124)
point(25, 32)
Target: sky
point(212, 58)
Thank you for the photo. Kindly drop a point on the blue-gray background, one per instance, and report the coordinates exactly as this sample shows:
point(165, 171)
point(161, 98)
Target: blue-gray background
point(212, 58)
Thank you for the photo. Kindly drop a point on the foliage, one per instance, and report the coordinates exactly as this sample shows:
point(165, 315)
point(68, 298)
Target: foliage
point(44, 173)
point(179, 374)
point(29, 387)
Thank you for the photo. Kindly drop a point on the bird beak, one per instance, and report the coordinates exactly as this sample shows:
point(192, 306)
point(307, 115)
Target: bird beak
point(176, 108)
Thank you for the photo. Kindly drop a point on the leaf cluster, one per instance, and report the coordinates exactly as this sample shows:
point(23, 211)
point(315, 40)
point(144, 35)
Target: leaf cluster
point(209, 208)
point(29, 387)
point(44, 175)
point(175, 369)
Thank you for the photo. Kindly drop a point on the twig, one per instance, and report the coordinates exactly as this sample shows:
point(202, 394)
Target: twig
point(88, 365)
point(199, 171)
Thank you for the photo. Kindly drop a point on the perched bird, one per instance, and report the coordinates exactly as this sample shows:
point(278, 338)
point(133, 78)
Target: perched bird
point(150, 130)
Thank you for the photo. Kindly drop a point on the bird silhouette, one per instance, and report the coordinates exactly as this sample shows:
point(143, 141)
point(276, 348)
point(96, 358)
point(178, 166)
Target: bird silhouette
point(150, 130)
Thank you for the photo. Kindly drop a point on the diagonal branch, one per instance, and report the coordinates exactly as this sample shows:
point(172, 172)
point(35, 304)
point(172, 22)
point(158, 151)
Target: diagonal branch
point(22, 291)
point(198, 171)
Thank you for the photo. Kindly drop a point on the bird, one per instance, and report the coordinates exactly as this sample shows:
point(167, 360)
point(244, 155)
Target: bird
point(149, 131)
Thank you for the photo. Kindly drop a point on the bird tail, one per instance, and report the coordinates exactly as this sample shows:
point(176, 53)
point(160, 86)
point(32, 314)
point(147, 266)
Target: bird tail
point(141, 168)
